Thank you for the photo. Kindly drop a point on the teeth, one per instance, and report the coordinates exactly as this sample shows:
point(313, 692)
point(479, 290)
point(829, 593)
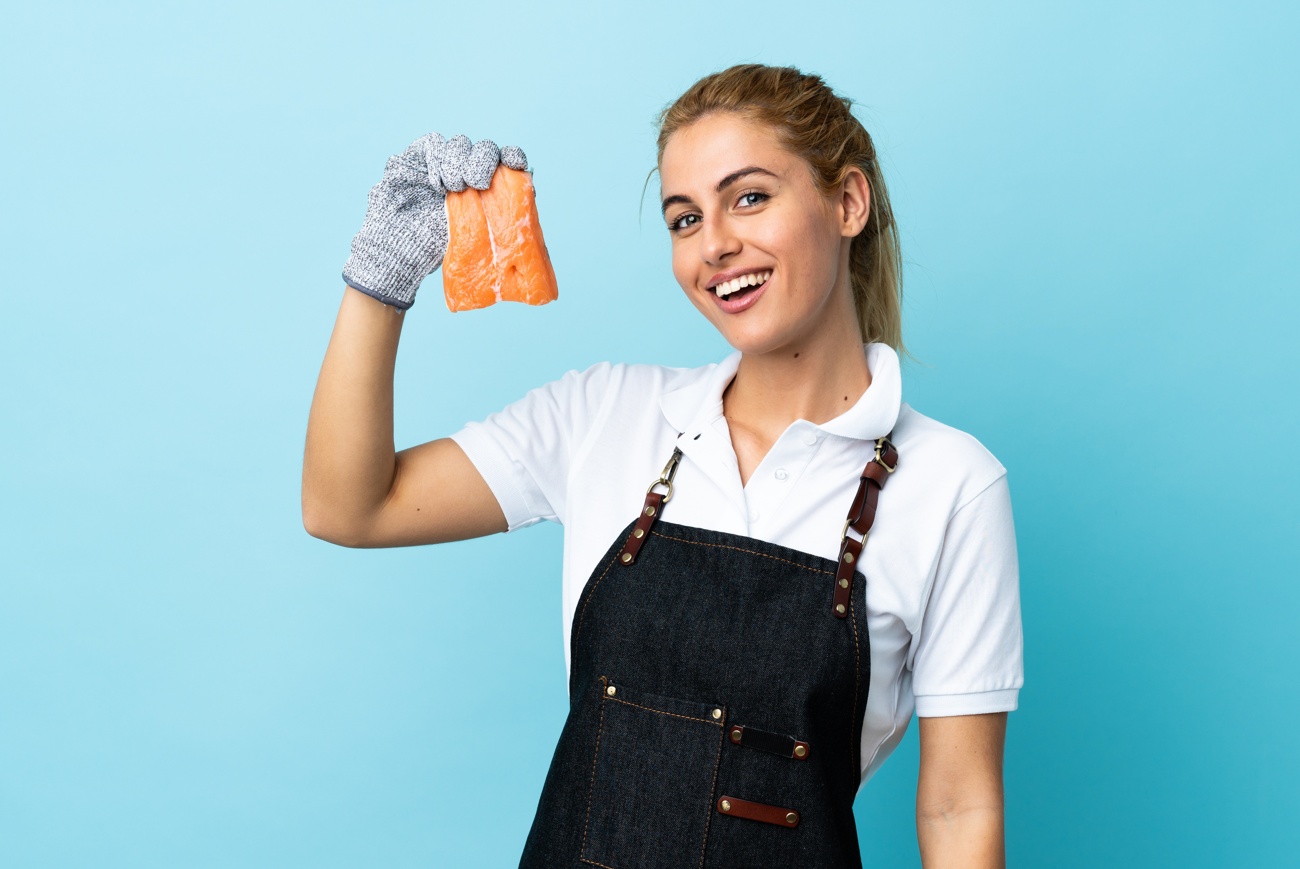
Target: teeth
point(726, 288)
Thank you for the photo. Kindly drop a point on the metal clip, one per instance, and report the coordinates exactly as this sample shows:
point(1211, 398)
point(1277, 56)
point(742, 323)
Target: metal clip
point(880, 446)
point(666, 476)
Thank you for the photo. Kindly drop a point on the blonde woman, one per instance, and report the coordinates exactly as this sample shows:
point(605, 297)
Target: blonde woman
point(770, 563)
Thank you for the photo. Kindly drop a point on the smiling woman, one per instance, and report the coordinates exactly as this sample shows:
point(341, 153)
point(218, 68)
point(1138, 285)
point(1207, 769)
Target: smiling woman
point(766, 218)
point(810, 121)
point(740, 659)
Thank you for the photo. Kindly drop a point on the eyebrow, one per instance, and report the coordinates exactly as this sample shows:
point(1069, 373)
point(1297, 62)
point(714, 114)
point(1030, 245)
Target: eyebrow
point(722, 185)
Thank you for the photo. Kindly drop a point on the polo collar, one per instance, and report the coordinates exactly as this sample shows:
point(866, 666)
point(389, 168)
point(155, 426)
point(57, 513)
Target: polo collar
point(694, 406)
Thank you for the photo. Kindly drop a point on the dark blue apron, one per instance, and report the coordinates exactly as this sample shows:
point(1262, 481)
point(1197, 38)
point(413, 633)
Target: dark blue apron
point(717, 691)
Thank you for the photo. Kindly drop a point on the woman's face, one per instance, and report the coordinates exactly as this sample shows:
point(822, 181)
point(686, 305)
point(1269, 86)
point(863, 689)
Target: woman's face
point(745, 217)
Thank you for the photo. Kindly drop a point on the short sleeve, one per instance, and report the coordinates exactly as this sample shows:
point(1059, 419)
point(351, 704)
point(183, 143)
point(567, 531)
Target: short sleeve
point(525, 450)
point(968, 652)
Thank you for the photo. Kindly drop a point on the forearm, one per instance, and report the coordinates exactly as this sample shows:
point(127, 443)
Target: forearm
point(970, 838)
point(349, 459)
point(959, 814)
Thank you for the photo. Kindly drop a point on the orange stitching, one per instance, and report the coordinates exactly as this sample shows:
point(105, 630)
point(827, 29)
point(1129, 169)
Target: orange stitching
point(583, 614)
point(854, 746)
point(739, 549)
point(713, 789)
point(662, 712)
point(591, 789)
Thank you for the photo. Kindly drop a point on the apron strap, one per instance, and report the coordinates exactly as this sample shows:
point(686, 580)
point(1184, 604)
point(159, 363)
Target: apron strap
point(654, 503)
point(862, 514)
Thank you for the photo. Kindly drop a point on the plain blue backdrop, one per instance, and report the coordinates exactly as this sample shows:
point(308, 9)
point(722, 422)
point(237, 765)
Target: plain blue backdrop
point(1097, 203)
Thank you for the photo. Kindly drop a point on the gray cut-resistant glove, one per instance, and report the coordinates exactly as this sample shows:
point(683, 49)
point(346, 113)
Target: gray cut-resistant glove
point(404, 236)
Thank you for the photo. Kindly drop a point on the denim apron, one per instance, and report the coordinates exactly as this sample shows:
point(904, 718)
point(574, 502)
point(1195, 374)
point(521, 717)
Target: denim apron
point(717, 691)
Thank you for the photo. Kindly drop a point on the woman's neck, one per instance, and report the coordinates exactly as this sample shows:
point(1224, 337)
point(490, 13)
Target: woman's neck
point(817, 382)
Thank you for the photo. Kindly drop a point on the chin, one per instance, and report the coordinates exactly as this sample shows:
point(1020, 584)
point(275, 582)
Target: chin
point(755, 342)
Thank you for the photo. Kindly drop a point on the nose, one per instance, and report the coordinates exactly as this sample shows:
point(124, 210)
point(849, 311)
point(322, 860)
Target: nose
point(718, 240)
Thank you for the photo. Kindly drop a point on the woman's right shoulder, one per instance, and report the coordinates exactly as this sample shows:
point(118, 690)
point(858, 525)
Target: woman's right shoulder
point(624, 387)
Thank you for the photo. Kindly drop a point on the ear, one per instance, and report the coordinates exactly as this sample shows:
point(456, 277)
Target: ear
point(853, 203)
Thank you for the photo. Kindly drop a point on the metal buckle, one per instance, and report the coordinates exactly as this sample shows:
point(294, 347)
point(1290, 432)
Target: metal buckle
point(880, 445)
point(848, 523)
point(666, 476)
point(668, 496)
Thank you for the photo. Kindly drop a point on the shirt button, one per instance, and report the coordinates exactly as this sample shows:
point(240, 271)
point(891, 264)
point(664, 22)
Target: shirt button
point(781, 474)
point(753, 515)
point(810, 439)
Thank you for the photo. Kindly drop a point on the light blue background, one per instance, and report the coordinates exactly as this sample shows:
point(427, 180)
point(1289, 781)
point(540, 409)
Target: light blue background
point(1097, 204)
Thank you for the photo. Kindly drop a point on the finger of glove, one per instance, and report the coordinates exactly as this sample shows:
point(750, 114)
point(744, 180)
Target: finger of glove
point(432, 147)
point(432, 143)
point(455, 157)
point(481, 164)
point(512, 157)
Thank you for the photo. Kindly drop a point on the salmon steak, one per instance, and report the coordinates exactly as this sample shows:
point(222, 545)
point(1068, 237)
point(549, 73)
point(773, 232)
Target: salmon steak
point(496, 252)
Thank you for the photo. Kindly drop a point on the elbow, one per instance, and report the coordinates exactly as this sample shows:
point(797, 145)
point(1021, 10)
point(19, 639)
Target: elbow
point(323, 525)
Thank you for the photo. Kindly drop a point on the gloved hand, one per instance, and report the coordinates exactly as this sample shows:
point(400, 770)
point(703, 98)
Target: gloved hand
point(404, 235)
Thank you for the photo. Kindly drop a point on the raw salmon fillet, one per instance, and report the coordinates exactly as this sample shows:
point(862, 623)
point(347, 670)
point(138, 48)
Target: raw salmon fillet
point(496, 252)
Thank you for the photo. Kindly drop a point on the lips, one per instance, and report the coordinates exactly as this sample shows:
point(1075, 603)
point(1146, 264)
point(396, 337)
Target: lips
point(725, 285)
point(740, 300)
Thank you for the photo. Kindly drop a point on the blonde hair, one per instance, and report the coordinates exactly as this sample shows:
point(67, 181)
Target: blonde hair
point(812, 121)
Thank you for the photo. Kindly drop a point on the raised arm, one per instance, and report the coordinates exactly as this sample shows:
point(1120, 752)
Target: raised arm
point(356, 489)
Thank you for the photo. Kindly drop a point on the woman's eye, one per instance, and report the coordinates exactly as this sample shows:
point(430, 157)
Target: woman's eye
point(685, 221)
point(752, 198)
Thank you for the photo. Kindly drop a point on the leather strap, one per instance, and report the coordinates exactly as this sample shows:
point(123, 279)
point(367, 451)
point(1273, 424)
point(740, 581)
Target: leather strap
point(654, 502)
point(650, 510)
point(736, 808)
point(773, 743)
point(862, 514)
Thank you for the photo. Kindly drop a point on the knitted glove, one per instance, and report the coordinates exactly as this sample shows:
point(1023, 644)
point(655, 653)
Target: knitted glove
point(404, 235)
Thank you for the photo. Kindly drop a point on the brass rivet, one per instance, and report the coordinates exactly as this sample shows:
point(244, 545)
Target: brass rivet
point(627, 558)
point(736, 734)
point(638, 534)
point(800, 750)
point(839, 608)
point(848, 558)
point(844, 583)
point(792, 818)
point(726, 805)
point(717, 713)
point(611, 690)
point(650, 509)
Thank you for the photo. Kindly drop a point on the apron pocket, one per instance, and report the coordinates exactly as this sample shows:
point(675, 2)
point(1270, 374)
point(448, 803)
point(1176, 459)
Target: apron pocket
point(652, 780)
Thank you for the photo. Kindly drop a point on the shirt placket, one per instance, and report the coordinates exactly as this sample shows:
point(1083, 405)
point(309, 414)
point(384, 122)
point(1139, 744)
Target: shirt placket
point(778, 474)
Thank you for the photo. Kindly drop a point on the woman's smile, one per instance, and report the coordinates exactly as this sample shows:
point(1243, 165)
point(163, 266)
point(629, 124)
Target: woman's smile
point(738, 289)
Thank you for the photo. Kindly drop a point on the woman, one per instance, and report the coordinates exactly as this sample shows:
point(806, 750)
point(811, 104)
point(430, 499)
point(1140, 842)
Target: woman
point(741, 656)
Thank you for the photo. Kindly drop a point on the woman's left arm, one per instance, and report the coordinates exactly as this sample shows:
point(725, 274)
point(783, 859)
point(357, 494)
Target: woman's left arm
point(959, 818)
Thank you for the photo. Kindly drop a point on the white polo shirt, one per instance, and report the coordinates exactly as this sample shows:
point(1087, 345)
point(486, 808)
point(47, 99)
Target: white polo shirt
point(943, 601)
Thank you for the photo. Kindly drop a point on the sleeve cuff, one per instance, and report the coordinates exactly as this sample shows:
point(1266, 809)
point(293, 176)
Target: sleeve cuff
point(499, 472)
point(945, 705)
